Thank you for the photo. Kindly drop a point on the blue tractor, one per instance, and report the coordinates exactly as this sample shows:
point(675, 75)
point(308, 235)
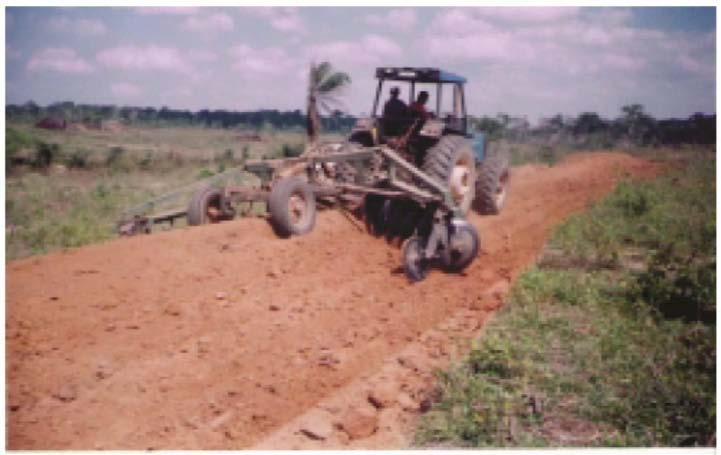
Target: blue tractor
point(412, 173)
point(441, 144)
point(437, 140)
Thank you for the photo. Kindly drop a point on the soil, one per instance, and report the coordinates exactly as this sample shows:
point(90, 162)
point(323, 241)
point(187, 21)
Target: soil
point(225, 337)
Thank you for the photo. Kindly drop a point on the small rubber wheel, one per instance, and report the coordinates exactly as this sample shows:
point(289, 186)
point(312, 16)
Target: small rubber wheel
point(462, 248)
point(206, 206)
point(415, 265)
point(292, 207)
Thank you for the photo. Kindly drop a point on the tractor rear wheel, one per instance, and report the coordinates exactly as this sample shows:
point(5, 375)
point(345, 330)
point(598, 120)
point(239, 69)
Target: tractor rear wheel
point(292, 207)
point(451, 162)
point(206, 206)
point(494, 178)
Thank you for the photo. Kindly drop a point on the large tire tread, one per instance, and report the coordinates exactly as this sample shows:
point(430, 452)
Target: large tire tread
point(487, 184)
point(441, 158)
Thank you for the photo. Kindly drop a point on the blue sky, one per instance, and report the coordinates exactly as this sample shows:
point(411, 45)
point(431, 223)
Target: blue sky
point(522, 61)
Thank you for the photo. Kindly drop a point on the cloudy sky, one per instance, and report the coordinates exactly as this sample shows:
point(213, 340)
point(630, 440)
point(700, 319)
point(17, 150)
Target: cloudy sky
point(523, 61)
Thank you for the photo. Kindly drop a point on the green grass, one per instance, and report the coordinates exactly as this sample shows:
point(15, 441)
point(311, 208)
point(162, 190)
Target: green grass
point(160, 149)
point(592, 349)
point(69, 188)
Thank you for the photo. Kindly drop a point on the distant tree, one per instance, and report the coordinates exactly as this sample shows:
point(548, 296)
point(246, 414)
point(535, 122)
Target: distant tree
point(588, 123)
point(557, 123)
point(32, 109)
point(492, 127)
point(640, 127)
point(324, 83)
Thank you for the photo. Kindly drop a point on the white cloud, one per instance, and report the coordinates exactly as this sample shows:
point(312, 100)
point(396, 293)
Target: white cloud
point(273, 61)
point(62, 60)
point(144, 58)
point(218, 22)
point(370, 49)
point(588, 59)
point(528, 15)
point(202, 55)
point(286, 20)
point(125, 90)
point(554, 40)
point(82, 27)
point(403, 19)
point(172, 11)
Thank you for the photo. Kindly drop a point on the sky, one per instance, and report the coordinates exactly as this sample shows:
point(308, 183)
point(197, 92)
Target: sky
point(524, 61)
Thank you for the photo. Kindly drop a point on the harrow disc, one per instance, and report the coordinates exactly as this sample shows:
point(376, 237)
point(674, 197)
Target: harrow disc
point(463, 245)
point(415, 265)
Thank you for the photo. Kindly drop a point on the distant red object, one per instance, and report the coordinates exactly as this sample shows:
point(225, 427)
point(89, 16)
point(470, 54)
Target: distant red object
point(50, 123)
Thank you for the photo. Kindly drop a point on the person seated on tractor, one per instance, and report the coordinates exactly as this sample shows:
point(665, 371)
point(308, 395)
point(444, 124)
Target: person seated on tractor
point(395, 114)
point(419, 114)
point(418, 108)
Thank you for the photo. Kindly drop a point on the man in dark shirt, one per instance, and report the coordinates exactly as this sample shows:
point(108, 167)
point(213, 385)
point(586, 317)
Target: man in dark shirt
point(395, 113)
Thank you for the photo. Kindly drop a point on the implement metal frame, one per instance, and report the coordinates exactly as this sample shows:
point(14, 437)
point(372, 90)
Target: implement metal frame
point(135, 221)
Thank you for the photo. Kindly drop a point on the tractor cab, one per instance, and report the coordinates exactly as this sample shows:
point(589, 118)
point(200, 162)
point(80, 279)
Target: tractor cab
point(445, 106)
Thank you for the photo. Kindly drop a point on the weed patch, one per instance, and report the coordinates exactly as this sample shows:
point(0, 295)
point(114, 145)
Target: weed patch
point(605, 355)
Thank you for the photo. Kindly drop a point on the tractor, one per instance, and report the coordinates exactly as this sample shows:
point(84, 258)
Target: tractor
point(412, 179)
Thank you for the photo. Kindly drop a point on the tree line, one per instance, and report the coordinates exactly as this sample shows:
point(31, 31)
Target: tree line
point(633, 125)
point(91, 115)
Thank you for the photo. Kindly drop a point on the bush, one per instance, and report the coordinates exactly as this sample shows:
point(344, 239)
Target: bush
point(678, 286)
point(80, 158)
point(115, 155)
point(291, 151)
point(45, 155)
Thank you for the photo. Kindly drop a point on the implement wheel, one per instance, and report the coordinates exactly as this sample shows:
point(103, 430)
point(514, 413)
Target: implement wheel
point(451, 162)
point(292, 207)
point(206, 207)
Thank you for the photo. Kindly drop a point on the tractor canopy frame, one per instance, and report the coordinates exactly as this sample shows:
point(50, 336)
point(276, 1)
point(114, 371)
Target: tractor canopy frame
point(459, 121)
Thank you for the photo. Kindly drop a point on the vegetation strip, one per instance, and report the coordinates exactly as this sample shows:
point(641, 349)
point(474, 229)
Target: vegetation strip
point(609, 340)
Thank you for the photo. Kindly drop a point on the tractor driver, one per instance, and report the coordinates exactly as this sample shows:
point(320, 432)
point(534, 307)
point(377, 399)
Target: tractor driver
point(395, 113)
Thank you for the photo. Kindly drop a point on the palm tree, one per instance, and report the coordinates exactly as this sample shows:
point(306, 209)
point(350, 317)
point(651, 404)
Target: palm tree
point(324, 84)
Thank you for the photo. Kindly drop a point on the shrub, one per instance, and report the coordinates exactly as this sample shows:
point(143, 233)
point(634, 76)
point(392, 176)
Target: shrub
point(678, 286)
point(80, 158)
point(115, 155)
point(45, 155)
point(291, 150)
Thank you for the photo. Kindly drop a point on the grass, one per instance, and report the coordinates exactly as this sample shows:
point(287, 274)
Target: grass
point(594, 349)
point(69, 188)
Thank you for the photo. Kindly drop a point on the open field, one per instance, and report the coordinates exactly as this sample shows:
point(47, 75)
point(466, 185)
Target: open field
point(95, 175)
point(224, 336)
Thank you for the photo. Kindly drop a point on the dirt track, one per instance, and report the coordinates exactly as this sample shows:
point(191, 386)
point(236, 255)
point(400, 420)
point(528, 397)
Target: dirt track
point(220, 336)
